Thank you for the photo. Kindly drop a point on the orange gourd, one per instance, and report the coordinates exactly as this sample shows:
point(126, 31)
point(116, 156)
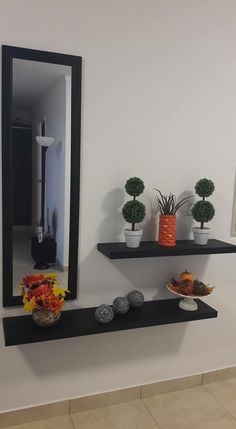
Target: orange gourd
point(186, 275)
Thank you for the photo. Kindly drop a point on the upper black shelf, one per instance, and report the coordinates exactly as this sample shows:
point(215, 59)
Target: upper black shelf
point(74, 323)
point(150, 249)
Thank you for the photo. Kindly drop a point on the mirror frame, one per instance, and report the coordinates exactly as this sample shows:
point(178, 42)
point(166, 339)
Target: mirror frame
point(8, 54)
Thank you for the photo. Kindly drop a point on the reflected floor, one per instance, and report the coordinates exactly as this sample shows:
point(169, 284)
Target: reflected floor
point(23, 263)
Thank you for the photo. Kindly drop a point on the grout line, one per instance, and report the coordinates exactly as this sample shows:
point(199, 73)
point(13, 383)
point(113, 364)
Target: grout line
point(150, 413)
point(140, 391)
point(72, 422)
point(69, 411)
point(219, 403)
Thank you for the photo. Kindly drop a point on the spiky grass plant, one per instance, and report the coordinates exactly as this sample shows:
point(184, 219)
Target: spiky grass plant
point(168, 204)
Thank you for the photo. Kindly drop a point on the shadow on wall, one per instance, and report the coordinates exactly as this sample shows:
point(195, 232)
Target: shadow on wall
point(112, 226)
point(99, 352)
point(59, 147)
point(150, 275)
point(113, 223)
point(184, 218)
point(118, 277)
point(54, 223)
point(149, 225)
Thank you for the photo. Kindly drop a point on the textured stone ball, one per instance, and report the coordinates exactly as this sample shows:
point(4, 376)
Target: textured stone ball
point(104, 313)
point(135, 298)
point(120, 305)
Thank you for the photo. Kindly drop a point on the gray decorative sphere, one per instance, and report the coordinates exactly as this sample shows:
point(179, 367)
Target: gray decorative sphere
point(120, 305)
point(135, 298)
point(104, 313)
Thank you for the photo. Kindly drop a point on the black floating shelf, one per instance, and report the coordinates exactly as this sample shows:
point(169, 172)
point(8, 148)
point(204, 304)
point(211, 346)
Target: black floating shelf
point(76, 323)
point(150, 249)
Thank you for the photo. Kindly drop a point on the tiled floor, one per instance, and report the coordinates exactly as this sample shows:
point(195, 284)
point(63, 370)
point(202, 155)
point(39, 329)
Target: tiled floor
point(210, 406)
point(23, 262)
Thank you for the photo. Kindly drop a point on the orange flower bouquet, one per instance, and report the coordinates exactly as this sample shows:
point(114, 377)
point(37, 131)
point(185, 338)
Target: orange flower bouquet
point(43, 296)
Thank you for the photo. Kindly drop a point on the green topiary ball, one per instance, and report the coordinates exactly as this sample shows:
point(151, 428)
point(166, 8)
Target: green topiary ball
point(203, 211)
point(204, 187)
point(134, 211)
point(134, 186)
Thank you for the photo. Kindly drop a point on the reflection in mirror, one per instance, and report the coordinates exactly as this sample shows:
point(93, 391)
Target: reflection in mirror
point(40, 152)
point(41, 168)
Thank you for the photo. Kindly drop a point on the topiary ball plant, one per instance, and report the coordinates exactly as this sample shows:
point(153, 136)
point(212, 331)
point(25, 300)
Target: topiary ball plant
point(204, 188)
point(203, 211)
point(133, 211)
point(134, 187)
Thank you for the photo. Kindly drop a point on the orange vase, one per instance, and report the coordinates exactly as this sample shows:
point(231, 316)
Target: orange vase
point(167, 230)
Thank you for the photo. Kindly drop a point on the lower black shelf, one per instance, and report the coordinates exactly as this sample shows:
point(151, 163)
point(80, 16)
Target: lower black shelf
point(74, 323)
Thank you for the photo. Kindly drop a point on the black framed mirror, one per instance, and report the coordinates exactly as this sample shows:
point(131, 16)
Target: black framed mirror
point(41, 122)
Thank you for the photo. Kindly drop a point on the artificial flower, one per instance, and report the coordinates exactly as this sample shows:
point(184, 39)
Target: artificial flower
point(29, 305)
point(59, 291)
point(42, 291)
point(51, 276)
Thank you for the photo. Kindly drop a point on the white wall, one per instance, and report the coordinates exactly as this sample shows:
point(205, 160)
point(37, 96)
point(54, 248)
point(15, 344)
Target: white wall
point(53, 107)
point(159, 101)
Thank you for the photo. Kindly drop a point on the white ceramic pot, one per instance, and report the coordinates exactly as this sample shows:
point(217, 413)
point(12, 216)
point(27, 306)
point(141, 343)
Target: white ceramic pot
point(133, 238)
point(188, 304)
point(201, 235)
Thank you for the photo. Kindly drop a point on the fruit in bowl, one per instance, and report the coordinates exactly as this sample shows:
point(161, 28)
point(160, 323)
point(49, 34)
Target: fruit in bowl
point(186, 275)
point(188, 286)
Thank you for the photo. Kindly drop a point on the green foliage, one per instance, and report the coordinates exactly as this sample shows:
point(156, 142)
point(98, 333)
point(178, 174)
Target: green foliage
point(134, 211)
point(134, 186)
point(203, 211)
point(168, 205)
point(204, 187)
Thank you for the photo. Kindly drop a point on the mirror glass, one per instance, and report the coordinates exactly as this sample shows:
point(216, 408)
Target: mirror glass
point(41, 168)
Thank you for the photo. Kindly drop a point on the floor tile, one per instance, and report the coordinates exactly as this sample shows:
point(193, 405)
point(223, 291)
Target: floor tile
point(225, 393)
point(62, 422)
point(189, 409)
point(129, 415)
